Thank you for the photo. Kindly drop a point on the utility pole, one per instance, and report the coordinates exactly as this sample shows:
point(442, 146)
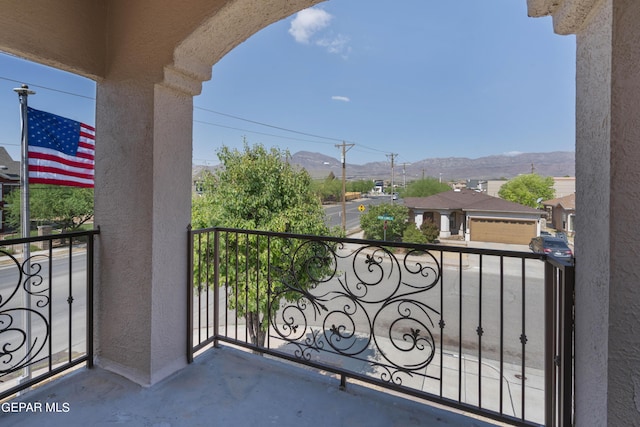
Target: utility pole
point(404, 175)
point(345, 147)
point(392, 156)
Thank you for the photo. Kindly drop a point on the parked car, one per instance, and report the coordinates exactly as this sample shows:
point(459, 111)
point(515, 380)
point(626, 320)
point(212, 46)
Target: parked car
point(549, 245)
point(562, 235)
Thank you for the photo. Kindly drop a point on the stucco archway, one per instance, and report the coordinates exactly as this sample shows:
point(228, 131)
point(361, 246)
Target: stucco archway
point(150, 57)
point(143, 175)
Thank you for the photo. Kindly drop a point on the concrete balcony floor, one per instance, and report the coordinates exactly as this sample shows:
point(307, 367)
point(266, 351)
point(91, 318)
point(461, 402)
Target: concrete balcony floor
point(223, 387)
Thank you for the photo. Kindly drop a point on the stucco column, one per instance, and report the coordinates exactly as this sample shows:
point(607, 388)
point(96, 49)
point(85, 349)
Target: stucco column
point(444, 224)
point(607, 356)
point(143, 204)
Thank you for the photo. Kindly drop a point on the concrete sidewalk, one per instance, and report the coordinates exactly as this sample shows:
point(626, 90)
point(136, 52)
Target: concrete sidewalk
point(223, 387)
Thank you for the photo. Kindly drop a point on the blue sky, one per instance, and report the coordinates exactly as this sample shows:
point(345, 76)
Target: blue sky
point(421, 79)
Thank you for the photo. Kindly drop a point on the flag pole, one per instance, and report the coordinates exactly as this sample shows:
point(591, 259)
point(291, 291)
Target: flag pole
point(23, 94)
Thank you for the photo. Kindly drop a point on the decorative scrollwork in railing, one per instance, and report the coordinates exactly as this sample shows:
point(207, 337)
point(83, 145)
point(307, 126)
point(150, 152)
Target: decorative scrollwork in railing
point(24, 331)
point(376, 311)
point(364, 303)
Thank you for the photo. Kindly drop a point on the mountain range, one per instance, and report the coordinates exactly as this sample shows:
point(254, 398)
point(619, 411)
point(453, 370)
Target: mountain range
point(558, 163)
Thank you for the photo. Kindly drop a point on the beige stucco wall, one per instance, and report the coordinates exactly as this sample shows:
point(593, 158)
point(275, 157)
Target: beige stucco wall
point(564, 186)
point(607, 202)
point(593, 193)
point(143, 169)
point(624, 292)
point(67, 34)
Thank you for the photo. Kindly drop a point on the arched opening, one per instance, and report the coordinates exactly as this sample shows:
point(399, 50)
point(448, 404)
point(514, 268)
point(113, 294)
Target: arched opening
point(490, 81)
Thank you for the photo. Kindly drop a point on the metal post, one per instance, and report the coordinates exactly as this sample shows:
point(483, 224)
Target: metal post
point(216, 288)
point(566, 347)
point(550, 405)
point(189, 294)
point(344, 190)
point(344, 146)
point(23, 94)
point(392, 156)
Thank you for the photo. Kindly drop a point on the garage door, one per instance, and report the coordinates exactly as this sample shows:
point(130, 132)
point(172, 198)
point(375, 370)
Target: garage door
point(502, 230)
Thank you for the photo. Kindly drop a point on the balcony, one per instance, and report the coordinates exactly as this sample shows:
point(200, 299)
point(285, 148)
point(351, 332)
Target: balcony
point(346, 329)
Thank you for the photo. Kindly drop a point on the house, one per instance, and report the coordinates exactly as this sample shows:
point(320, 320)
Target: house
point(9, 180)
point(146, 79)
point(477, 184)
point(562, 213)
point(474, 216)
point(563, 186)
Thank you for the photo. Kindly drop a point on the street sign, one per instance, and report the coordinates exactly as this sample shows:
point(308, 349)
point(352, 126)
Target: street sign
point(361, 208)
point(385, 218)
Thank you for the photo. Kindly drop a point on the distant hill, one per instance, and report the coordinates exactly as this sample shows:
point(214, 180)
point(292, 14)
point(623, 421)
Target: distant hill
point(558, 163)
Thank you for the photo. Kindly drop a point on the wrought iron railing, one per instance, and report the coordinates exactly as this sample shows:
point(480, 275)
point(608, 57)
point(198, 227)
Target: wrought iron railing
point(46, 307)
point(460, 326)
point(559, 342)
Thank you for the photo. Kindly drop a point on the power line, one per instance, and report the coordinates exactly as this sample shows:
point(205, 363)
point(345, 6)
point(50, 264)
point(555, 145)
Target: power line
point(48, 88)
point(286, 130)
point(361, 147)
point(260, 133)
point(268, 125)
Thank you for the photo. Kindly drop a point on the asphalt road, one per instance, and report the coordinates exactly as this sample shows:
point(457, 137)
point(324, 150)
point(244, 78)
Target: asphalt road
point(333, 213)
point(50, 307)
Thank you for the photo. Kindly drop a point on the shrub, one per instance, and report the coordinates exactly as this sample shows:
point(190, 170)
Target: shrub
point(430, 230)
point(413, 235)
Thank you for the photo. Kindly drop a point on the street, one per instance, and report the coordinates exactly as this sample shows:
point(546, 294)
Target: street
point(51, 320)
point(333, 213)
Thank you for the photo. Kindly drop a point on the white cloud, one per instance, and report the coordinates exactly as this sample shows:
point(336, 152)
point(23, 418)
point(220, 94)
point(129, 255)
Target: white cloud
point(338, 45)
point(310, 26)
point(512, 153)
point(340, 98)
point(308, 22)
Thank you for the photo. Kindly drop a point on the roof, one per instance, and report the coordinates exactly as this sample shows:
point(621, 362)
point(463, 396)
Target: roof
point(567, 202)
point(9, 168)
point(467, 200)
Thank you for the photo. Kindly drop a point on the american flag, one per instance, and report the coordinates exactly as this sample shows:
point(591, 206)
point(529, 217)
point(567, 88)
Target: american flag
point(61, 150)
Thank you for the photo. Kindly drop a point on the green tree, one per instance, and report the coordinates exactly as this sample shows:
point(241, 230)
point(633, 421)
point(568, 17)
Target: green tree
point(329, 189)
point(361, 186)
point(374, 228)
point(257, 189)
point(68, 207)
point(424, 188)
point(527, 189)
